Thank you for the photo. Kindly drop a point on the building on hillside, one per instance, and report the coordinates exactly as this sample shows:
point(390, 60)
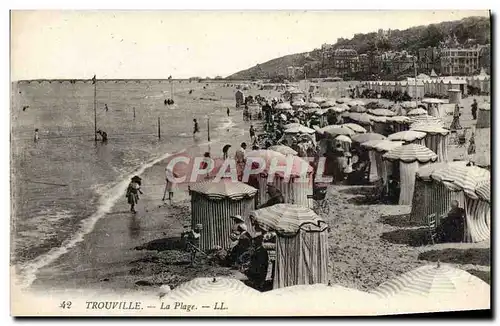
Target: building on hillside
point(364, 63)
point(429, 58)
point(294, 72)
point(346, 62)
point(459, 61)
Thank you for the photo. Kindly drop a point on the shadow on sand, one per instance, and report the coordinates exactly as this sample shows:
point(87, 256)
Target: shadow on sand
point(475, 256)
point(163, 244)
point(401, 220)
point(411, 237)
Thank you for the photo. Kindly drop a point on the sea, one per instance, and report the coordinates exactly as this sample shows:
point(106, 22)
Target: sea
point(65, 182)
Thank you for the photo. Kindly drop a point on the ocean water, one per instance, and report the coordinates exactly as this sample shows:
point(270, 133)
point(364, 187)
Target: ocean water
point(64, 183)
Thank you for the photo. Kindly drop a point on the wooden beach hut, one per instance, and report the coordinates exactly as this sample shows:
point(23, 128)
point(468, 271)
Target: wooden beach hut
point(301, 244)
point(410, 157)
point(212, 204)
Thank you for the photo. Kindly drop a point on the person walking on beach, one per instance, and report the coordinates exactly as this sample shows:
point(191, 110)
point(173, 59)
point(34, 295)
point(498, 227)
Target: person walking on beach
point(252, 134)
point(36, 138)
point(192, 238)
point(228, 111)
point(133, 191)
point(225, 151)
point(474, 109)
point(455, 124)
point(240, 158)
point(106, 107)
point(196, 128)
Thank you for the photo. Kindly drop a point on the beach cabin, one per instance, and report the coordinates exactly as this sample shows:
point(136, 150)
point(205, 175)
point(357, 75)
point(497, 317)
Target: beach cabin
point(301, 244)
point(212, 204)
point(482, 137)
point(436, 139)
point(240, 98)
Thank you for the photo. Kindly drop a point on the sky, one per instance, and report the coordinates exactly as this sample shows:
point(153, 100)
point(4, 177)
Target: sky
point(157, 44)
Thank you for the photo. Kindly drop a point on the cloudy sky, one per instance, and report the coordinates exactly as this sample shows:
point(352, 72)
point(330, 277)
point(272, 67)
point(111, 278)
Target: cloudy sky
point(156, 44)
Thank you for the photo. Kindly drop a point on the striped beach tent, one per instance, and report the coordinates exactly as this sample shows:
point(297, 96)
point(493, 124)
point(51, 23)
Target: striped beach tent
point(408, 136)
point(377, 149)
point(361, 138)
point(214, 287)
point(425, 119)
point(483, 190)
point(335, 131)
point(380, 123)
point(212, 204)
point(417, 111)
point(434, 281)
point(436, 139)
point(410, 157)
point(399, 123)
point(431, 196)
point(301, 244)
point(355, 127)
point(360, 118)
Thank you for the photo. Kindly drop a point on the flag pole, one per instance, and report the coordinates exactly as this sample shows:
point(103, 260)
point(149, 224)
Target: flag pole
point(95, 108)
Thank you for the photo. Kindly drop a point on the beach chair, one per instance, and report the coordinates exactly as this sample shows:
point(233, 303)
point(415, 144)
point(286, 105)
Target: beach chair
point(432, 227)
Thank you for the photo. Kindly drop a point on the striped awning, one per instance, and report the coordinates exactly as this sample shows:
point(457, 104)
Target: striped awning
point(425, 172)
point(483, 190)
point(318, 99)
point(216, 287)
point(407, 135)
point(328, 104)
point(299, 129)
point(285, 150)
point(383, 145)
point(433, 280)
point(432, 129)
point(225, 188)
point(288, 219)
point(358, 109)
point(382, 112)
point(361, 138)
point(411, 153)
point(465, 177)
point(417, 111)
point(355, 127)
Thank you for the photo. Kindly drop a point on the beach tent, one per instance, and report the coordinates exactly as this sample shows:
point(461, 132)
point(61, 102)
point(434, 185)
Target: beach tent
point(301, 244)
point(466, 179)
point(435, 108)
point(431, 196)
point(410, 157)
point(377, 148)
point(240, 98)
point(380, 123)
point(399, 123)
point(355, 127)
point(444, 285)
point(482, 137)
point(358, 109)
point(436, 138)
point(424, 119)
point(417, 111)
point(212, 204)
point(409, 137)
point(290, 174)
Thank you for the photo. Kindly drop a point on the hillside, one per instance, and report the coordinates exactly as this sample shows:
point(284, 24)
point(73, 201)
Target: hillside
point(467, 30)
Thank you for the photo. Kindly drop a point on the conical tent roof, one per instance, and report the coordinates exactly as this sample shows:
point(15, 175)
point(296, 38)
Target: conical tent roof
point(431, 128)
point(225, 188)
point(355, 127)
point(411, 153)
point(361, 138)
point(425, 172)
point(383, 145)
point(287, 219)
point(382, 112)
point(407, 135)
point(417, 111)
point(466, 178)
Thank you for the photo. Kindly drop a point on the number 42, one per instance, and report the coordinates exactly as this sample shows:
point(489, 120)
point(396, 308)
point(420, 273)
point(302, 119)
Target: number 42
point(65, 305)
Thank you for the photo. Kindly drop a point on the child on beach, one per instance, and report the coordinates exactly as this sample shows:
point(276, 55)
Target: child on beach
point(133, 191)
point(192, 238)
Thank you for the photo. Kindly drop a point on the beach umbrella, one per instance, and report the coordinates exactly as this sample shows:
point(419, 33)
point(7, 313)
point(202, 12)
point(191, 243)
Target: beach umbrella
point(354, 127)
point(361, 138)
point(377, 118)
point(338, 109)
point(335, 131)
point(383, 145)
point(407, 135)
point(299, 129)
point(483, 190)
point(318, 99)
point(358, 109)
point(283, 106)
point(362, 118)
point(417, 111)
point(287, 218)
point(320, 111)
point(399, 119)
point(211, 287)
point(298, 103)
point(293, 125)
point(343, 138)
point(382, 112)
point(311, 105)
point(344, 100)
point(285, 150)
point(466, 178)
point(433, 101)
point(411, 153)
point(328, 104)
point(433, 281)
point(225, 188)
point(355, 103)
point(430, 129)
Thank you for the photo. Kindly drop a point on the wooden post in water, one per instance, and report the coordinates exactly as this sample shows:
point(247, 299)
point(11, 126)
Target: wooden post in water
point(159, 130)
point(208, 129)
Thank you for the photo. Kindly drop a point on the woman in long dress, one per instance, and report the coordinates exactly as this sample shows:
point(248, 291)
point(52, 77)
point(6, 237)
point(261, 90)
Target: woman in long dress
point(133, 191)
point(455, 124)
